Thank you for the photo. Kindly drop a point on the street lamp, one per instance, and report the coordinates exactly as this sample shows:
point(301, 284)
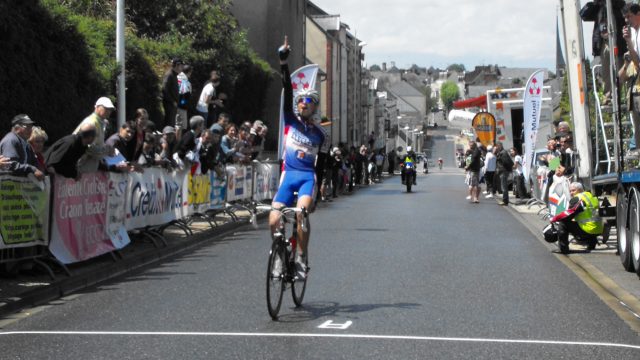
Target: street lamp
point(399, 117)
point(418, 142)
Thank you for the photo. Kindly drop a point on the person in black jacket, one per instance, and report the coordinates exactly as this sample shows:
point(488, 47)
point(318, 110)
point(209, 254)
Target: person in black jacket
point(123, 139)
point(62, 157)
point(596, 11)
point(171, 93)
point(337, 178)
point(187, 144)
point(504, 166)
point(209, 151)
point(473, 168)
point(411, 155)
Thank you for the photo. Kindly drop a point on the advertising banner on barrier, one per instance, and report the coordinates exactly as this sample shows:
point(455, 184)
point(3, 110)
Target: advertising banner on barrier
point(218, 191)
point(266, 179)
point(248, 182)
point(24, 212)
point(198, 192)
point(156, 197)
point(206, 192)
point(232, 173)
point(239, 180)
point(82, 216)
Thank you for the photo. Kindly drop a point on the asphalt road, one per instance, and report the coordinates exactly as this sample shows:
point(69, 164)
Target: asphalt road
point(393, 275)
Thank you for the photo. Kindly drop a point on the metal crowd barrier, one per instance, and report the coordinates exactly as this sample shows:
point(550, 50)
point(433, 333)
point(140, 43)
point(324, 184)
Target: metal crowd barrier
point(66, 201)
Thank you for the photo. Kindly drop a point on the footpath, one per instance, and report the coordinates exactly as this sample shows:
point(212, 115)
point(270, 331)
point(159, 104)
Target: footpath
point(600, 269)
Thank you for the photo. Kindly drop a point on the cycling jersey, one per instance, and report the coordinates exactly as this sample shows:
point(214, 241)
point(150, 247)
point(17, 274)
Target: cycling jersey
point(302, 141)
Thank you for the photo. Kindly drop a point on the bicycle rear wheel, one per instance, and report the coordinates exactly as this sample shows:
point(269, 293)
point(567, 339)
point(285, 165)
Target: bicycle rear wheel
point(298, 287)
point(275, 278)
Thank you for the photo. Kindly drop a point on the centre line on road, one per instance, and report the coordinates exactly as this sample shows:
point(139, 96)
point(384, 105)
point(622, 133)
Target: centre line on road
point(309, 335)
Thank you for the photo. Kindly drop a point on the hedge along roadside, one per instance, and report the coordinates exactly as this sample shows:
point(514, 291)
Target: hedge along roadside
point(57, 75)
point(91, 217)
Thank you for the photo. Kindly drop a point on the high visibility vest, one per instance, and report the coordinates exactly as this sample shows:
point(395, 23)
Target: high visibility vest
point(589, 219)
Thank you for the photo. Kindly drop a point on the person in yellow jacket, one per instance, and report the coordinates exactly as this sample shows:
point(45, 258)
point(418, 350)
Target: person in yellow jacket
point(581, 219)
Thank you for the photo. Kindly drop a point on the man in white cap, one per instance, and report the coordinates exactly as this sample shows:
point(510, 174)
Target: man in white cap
point(97, 150)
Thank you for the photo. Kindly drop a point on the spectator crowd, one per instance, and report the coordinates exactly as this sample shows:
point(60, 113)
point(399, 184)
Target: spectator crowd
point(501, 170)
point(206, 139)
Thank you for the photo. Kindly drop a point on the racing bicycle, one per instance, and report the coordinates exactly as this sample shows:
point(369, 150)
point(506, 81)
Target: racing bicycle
point(281, 269)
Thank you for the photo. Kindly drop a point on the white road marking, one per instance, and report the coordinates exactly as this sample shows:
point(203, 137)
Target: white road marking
point(342, 336)
point(329, 324)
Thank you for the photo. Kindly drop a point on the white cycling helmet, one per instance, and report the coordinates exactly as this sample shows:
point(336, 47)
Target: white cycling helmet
point(408, 148)
point(310, 93)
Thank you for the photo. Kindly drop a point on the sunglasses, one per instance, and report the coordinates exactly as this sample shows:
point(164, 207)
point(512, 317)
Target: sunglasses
point(306, 100)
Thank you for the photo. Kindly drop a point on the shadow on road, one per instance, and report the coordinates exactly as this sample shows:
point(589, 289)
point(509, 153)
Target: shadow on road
point(316, 310)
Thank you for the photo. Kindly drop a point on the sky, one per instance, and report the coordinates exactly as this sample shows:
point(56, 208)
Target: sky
point(513, 33)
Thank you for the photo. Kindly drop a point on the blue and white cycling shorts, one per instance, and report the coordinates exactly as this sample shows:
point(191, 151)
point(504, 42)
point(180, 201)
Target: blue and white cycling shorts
point(304, 182)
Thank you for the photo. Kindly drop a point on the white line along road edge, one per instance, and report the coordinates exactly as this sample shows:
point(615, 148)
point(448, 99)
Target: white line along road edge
point(345, 336)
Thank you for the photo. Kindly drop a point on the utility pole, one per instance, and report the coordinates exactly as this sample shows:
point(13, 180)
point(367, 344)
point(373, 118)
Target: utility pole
point(120, 59)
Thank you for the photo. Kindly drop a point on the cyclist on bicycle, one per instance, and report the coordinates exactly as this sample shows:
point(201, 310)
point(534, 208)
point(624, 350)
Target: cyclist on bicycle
point(303, 139)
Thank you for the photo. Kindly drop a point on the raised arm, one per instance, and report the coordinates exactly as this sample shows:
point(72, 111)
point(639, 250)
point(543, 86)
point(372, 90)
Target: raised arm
point(283, 54)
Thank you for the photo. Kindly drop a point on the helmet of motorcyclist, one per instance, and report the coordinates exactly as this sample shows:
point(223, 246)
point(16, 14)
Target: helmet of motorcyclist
point(550, 233)
point(408, 148)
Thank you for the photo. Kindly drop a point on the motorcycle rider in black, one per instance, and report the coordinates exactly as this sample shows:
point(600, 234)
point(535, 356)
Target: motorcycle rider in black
point(411, 155)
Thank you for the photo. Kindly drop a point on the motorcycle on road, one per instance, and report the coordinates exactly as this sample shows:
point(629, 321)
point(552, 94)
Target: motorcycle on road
point(409, 174)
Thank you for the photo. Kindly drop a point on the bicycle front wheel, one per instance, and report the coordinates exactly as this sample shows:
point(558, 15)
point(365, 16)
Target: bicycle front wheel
point(275, 278)
point(298, 287)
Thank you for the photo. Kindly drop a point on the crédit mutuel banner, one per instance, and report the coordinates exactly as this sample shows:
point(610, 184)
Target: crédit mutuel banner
point(532, 106)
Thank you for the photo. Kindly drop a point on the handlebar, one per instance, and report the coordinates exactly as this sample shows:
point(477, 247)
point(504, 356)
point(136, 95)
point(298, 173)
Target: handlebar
point(288, 213)
point(284, 210)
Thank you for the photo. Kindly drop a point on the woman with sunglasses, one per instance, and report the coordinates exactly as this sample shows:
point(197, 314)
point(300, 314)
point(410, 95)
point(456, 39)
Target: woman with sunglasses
point(303, 139)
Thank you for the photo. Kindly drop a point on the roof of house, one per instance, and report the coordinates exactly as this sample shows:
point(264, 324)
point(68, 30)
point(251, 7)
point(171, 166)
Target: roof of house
point(482, 74)
point(521, 73)
point(403, 89)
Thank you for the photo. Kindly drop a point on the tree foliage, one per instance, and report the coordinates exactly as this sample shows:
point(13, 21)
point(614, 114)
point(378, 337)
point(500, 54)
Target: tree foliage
point(449, 93)
point(61, 57)
point(49, 70)
point(457, 68)
point(431, 103)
